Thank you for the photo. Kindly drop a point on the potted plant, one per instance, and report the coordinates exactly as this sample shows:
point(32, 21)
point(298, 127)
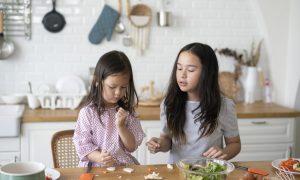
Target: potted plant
point(248, 59)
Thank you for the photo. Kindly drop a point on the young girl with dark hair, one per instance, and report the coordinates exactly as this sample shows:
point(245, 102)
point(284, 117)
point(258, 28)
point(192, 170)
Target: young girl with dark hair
point(107, 130)
point(195, 116)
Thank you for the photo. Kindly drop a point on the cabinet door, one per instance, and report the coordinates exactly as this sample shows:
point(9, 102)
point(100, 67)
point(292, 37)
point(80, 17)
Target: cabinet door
point(263, 152)
point(151, 129)
point(36, 140)
point(261, 131)
point(265, 138)
point(9, 157)
point(10, 144)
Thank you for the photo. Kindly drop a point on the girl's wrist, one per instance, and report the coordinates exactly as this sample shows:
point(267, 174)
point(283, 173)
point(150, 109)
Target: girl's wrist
point(121, 127)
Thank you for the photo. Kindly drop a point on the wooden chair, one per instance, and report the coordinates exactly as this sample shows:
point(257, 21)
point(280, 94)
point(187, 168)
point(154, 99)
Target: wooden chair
point(63, 150)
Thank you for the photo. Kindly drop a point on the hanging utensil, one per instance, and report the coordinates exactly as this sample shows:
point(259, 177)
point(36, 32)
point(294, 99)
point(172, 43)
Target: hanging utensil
point(163, 16)
point(30, 87)
point(54, 21)
point(127, 39)
point(6, 46)
point(120, 27)
point(140, 17)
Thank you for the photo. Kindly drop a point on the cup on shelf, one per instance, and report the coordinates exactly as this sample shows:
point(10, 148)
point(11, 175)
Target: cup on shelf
point(33, 101)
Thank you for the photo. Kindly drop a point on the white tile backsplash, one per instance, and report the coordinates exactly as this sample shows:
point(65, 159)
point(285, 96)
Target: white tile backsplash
point(48, 56)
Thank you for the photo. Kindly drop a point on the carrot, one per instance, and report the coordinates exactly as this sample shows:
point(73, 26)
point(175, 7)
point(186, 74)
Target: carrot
point(258, 171)
point(288, 164)
point(86, 176)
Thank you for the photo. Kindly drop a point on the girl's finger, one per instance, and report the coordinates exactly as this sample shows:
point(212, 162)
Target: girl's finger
point(223, 156)
point(207, 152)
point(107, 159)
point(153, 144)
point(217, 154)
point(211, 153)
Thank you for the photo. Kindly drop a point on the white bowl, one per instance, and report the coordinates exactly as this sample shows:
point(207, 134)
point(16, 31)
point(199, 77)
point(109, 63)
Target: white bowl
point(23, 171)
point(13, 98)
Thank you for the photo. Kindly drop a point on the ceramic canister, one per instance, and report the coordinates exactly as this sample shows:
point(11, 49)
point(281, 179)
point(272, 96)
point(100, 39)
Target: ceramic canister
point(23, 171)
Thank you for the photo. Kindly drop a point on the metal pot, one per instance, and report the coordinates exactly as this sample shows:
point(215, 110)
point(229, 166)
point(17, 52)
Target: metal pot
point(163, 18)
point(6, 46)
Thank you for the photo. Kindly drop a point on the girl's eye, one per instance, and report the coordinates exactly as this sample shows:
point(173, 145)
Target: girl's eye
point(123, 87)
point(191, 69)
point(111, 87)
point(179, 68)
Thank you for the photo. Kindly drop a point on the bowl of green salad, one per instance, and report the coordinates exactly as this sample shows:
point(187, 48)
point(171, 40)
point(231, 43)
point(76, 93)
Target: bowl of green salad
point(202, 168)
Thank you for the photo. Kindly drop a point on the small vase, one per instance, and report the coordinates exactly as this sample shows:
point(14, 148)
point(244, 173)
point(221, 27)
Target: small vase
point(250, 84)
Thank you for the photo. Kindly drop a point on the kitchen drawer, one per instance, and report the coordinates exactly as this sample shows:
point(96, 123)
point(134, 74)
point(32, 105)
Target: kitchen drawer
point(9, 144)
point(263, 152)
point(266, 130)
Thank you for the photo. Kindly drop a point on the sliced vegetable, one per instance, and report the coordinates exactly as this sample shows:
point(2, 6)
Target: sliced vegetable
point(289, 165)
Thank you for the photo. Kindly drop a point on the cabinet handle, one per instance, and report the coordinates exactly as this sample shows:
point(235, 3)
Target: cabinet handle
point(258, 122)
point(290, 151)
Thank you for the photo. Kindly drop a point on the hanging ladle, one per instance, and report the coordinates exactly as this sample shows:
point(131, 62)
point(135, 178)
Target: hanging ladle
point(120, 28)
point(127, 39)
point(6, 46)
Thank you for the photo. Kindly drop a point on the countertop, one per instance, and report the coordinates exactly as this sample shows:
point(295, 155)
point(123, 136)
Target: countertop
point(142, 170)
point(255, 110)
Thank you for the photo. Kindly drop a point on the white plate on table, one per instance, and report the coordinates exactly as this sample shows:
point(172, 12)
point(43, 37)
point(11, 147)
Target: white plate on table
point(276, 163)
point(53, 173)
point(70, 85)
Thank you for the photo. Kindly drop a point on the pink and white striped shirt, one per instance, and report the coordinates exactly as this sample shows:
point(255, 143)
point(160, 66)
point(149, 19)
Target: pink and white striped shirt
point(90, 135)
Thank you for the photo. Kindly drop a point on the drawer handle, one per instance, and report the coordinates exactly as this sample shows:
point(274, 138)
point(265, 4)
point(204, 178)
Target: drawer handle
point(258, 122)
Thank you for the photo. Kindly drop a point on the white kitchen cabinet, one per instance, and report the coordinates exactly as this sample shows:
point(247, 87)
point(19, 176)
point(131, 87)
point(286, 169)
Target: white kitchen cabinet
point(9, 150)
point(36, 140)
point(265, 138)
point(151, 129)
point(262, 139)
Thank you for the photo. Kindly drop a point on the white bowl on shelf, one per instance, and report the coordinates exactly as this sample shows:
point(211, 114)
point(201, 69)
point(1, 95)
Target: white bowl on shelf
point(13, 98)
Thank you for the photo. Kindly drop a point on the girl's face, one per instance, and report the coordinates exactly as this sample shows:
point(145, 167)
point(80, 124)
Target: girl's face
point(188, 74)
point(114, 88)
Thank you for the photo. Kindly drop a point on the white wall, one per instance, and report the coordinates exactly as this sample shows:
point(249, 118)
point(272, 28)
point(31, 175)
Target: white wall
point(293, 59)
point(46, 57)
point(282, 27)
point(292, 86)
point(275, 17)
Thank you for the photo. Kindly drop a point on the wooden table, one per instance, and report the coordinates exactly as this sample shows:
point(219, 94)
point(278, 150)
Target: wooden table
point(141, 170)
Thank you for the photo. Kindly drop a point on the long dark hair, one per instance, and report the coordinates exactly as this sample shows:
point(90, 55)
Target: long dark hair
point(111, 63)
point(208, 90)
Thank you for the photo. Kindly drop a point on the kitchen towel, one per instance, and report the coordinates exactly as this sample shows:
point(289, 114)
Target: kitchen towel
point(104, 26)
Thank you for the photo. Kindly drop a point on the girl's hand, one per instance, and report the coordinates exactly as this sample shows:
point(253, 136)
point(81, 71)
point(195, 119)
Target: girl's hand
point(121, 115)
point(215, 152)
point(154, 145)
point(106, 159)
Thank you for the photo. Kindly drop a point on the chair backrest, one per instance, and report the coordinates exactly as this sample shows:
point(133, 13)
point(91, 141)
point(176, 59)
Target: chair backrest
point(63, 150)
